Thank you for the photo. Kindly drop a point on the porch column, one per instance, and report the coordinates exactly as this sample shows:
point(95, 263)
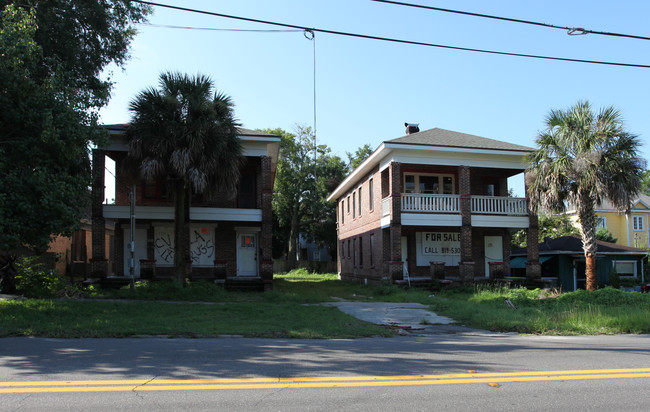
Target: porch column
point(466, 266)
point(533, 266)
point(98, 260)
point(266, 236)
point(395, 264)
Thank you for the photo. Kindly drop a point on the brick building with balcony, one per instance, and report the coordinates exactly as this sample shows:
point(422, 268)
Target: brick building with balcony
point(433, 203)
point(230, 237)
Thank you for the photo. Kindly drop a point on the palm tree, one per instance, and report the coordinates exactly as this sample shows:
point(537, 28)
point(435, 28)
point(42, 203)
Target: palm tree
point(184, 132)
point(582, 159)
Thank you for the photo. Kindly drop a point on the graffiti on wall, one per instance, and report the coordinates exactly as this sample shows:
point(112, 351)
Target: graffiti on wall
point(164, 247)
point(202, 247)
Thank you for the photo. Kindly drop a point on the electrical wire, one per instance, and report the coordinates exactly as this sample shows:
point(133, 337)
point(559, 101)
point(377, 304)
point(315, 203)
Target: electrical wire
point(572, 31)
point(170, 26)
point(392, 40)
point(108, 170)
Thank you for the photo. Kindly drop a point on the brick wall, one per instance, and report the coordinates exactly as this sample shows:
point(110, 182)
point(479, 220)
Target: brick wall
point(366, 222)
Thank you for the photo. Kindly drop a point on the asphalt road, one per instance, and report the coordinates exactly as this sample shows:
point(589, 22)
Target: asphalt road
point(461, 371)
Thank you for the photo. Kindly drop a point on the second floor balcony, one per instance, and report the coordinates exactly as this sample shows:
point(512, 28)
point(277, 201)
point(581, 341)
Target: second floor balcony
point(445, 209)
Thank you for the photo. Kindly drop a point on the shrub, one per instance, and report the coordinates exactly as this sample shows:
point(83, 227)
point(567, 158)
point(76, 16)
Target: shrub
point(35, 280)
point(607, 297)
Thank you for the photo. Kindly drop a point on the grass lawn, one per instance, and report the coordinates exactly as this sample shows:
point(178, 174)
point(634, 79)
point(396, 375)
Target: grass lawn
point(290, 311)
point(605, 311)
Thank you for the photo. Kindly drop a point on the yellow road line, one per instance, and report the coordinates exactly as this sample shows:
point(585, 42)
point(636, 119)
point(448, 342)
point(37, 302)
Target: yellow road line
point(137, 382)
point(314, 382)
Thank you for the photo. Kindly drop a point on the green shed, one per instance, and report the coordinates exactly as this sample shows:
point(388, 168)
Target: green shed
point(563, 262)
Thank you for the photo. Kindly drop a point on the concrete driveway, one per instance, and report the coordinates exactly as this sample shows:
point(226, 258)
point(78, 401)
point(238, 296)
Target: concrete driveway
point(409, 318)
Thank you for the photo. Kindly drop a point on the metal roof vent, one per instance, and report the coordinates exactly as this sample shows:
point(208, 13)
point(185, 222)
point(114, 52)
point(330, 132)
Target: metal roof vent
point(412, 127)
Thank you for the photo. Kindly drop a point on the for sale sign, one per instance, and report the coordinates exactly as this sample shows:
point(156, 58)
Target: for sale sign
point(438, 246)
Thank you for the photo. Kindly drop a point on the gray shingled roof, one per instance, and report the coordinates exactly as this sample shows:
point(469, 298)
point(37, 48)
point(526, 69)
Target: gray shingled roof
point(607, 205)
point(447, 138)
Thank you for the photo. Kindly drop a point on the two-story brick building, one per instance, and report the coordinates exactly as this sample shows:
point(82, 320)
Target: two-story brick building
point(230, 237)
point(436, 202)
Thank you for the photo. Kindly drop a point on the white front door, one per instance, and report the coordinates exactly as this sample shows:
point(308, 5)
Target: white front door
point(493, 251)
point(140, 249)
point(247, 254)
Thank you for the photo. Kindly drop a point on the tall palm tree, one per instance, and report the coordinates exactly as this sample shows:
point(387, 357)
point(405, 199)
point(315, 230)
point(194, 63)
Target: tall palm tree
point(582, 159)
point(184, 132)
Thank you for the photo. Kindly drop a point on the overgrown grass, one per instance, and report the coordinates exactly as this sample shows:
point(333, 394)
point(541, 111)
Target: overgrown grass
point(605, 311)
point(290, 311)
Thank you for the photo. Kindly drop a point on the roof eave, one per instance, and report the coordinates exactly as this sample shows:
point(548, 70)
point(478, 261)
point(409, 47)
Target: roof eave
point(361, 170)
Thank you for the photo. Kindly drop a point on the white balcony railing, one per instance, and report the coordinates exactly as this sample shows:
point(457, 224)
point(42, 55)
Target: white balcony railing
point(417, 202)
point(487, 205)
point(494, 205)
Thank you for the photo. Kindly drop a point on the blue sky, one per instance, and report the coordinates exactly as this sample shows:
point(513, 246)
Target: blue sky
point(367, 89)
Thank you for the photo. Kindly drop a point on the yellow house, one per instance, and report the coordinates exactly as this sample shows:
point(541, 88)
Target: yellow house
point(630, 229)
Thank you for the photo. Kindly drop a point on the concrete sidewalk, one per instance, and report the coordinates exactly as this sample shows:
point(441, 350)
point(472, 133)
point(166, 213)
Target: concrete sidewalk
point(409, 318)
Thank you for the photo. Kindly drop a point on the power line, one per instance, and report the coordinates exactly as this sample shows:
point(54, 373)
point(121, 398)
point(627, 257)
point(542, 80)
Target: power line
point(108, 170)
point(570, 30)
point(170, 26)
point(392, 40)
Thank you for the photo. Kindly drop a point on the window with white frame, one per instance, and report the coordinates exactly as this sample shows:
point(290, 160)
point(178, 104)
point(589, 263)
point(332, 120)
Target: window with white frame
point(637, 222)
point(428, 183)
point(625, 267)
point(601, 222)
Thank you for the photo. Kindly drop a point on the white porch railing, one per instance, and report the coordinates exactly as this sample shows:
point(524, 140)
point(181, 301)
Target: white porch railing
point(416, 202)
point(487, 205)
point(385, 206)
point(494, 205)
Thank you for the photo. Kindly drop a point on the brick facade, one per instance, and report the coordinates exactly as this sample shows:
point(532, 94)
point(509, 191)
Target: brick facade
point(355, 228)
point(255, 192)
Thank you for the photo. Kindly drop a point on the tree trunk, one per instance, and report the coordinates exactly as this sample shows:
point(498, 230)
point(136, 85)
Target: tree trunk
point(180, 237)
point(587, 217)
point(590, 270)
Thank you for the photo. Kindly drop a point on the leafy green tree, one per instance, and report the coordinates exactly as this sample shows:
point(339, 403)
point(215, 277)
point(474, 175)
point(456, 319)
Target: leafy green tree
point(361, 154)
point(306, 174)
point(583, 158)
point(52, 53)
point(551, 225)
point(186, 133)
point(290, 187)
point(605, 235)
point(320, 220)
point(78, 39)
point(645, 183)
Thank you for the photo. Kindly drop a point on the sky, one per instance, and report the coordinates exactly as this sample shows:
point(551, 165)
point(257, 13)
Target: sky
point(363, 91)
